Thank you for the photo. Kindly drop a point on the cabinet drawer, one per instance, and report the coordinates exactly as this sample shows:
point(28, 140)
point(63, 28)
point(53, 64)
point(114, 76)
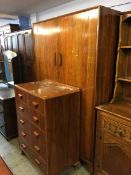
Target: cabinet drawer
point(21, 95)
point(22, 123)
point(22, 109)
point(38, 141)
point(39, 162)
point(116, 126)
point(36, 104)
point(37, 119)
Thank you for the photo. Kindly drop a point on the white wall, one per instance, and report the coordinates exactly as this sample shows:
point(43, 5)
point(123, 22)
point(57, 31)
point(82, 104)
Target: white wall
point(4, 22)
point(75, 5)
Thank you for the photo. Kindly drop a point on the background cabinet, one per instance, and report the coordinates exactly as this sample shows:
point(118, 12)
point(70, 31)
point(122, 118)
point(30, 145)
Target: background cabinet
point(22, 43)
point(8, 121)
point(79, 49)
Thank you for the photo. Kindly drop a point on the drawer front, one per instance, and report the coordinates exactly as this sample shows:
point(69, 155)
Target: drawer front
point(117, 127)
point(22, 109)
point(34, 157)
point(23, 129)
point(21, 95)
point(39, 162)
point(37, 119)
point(38, 141)
point(36, 104)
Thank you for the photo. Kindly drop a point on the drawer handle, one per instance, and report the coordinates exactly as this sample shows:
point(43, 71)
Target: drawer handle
point(35, 119)
point(23, 146)
point(35, 104)
point(20, 96)
point(36, 134)
point(22, 122)
point(23, 134)
point(21, 108)
point(37, 148)
point(119, 133)
point(37, 161)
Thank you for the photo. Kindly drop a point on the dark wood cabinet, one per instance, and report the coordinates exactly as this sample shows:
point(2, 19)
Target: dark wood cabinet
point(8, 121)
point(48, 116)
point(22, 43)
point(80, 49)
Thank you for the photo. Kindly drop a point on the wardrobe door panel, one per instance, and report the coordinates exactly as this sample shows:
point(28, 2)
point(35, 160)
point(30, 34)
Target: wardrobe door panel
point(46, 38)
point(77, 48)
point(15, 43)
point(29, 64)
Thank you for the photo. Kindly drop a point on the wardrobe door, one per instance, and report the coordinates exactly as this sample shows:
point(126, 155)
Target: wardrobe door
point(15, 43)
point(77, 64)
point(45, 46)
point(29, 64)
point(77, 48)
point(21, 44)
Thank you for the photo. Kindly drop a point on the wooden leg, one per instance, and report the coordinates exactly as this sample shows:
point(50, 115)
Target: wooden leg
point(22, 152)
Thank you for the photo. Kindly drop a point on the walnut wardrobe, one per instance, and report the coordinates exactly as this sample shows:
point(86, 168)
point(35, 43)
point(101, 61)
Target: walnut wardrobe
point(79, 49)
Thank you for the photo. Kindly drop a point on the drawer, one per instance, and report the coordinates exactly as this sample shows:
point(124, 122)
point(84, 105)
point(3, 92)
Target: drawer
point(39, 162)
point(38, 141)
point(33, 156)
point(116, 126)
point(22, 109)
point(37, 119)
point(21, 95)
point(23, 124)
point(36, 104)
point(24, 130)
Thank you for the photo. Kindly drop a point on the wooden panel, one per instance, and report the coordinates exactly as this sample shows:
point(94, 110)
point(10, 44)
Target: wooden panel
point(45, 36)
point(15, 43)
point(78, 55)
point(65, 125)
point(29, 62)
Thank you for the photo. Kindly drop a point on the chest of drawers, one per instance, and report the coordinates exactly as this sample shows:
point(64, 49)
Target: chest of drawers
point(48, 115)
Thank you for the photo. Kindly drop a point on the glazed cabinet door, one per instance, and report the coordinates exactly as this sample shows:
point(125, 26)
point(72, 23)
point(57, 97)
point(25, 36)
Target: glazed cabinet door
point(45, 46)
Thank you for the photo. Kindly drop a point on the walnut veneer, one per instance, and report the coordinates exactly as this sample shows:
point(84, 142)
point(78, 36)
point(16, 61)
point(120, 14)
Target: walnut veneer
point(80, 49)
point(48, 116)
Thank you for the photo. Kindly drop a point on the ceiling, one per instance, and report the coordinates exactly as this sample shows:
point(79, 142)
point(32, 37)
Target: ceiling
point(26, 7)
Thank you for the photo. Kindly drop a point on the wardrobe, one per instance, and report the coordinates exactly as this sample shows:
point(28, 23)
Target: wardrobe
point(79, 49)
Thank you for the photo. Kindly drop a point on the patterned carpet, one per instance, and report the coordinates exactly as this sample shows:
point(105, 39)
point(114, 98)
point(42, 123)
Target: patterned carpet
point(20, 165)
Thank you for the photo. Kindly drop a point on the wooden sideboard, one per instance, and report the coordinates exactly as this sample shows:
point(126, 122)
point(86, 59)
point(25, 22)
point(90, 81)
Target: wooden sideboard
point(48, 116)
point(8, 120)
point(80, 49)
point(113, 139)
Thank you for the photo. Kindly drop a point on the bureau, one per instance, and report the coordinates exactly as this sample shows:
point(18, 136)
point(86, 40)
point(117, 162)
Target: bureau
point(48, 115)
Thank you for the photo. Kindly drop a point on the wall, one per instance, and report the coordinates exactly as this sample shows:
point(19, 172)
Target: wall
point(4, 22)
point(121, 5)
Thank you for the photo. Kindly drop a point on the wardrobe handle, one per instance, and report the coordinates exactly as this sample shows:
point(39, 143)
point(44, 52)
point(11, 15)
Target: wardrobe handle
point(60, 59)
point(55, 58)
